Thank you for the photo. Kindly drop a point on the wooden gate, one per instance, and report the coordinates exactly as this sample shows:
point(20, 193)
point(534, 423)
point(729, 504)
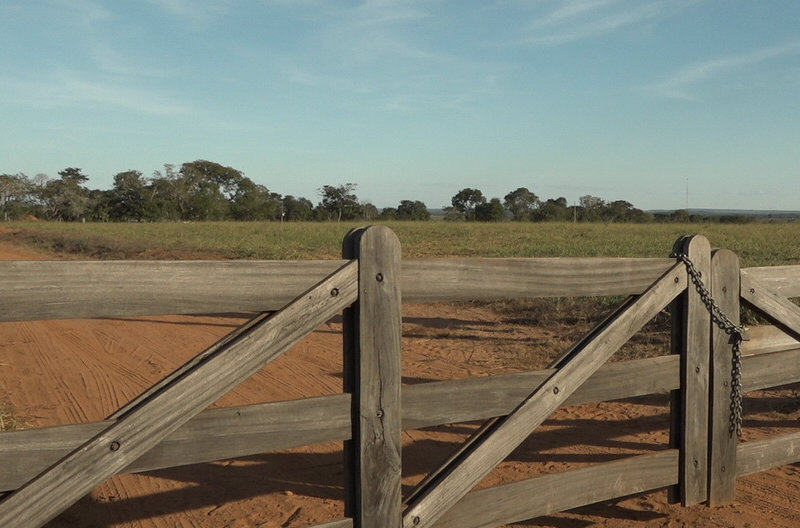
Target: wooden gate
point(701, 464)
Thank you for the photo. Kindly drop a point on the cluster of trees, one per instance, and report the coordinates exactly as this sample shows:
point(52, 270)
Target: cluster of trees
point(195, 191)
point(204, 190)
point(522, 205)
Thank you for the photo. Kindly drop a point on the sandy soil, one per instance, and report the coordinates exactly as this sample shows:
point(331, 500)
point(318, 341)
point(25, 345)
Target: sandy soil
point(62, 372)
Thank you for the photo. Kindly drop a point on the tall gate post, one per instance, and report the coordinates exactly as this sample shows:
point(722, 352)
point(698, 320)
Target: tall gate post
point(691, 322)
point(372, 375)
point(722, 465)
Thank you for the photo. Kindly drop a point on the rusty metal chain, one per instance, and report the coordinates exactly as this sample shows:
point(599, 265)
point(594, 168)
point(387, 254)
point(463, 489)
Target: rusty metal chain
point(737, 333)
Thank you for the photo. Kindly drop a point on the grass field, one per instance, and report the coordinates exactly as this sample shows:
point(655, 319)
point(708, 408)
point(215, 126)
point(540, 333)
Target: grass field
point(756, 244)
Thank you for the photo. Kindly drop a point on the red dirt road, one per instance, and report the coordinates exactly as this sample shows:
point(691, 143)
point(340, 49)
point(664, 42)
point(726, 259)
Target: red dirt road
point(73, 371)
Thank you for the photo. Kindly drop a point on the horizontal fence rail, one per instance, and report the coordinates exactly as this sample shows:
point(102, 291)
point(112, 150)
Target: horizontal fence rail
point(71, 290)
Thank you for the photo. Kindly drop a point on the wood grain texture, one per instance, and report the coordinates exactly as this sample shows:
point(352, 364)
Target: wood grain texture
point(763, 371)
point(141, 428)
point(232, 432)
point(372, 358)
point(779, 309)
point(783, 280)
point(768, 453)
point(511, 430)
point(31, 290)
point(544, 495)
point(451, 279)
point(695, 370)
point(72, 290)
point(722, 458)
point(766, 339)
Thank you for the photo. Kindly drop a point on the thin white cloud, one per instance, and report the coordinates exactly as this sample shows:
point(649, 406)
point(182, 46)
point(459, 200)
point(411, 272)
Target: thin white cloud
point(572, 20)
point(682, 83)
point(196, 12)
point(68, 89)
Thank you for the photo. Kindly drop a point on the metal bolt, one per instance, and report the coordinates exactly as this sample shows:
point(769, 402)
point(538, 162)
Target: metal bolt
point(677, 280)
point(697, 370)
point(334, 292)
point(723, 469)
point(379, 277)
point(556, 390)
point(752, 290)
point(417, 520)
point(724, 383)
point(696, 463)
point(724, 289)
point(114, 446)
point(380, 413)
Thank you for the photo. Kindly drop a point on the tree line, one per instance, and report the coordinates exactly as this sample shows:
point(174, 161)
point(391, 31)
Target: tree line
point(196, 191)
point(207, 191)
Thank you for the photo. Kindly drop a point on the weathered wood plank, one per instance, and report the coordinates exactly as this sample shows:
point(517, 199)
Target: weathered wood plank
point(547, 494)
point(695, 337)
point(143, 427)
point(372, 358)
point(67, 289)
point(722, 459)
point(766, 339)
point(763, 371)
point(514, 428)
point(779, 309)
point(768, 453)
point(783, 280)
point(450, 279)
point(232, 432)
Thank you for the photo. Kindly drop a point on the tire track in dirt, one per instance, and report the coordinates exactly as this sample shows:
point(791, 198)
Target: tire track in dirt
point(772, 494)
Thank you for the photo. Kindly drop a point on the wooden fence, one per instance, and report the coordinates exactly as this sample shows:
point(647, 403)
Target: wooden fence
point(169, 425)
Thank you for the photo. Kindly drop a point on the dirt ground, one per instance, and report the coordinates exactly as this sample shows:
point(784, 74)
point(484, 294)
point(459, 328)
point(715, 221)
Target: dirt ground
point(72, 371)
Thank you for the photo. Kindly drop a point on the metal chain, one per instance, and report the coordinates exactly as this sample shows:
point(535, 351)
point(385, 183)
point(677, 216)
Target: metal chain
point(737, 333)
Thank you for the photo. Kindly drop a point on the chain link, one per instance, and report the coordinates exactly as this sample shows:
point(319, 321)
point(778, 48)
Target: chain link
point(737, 333)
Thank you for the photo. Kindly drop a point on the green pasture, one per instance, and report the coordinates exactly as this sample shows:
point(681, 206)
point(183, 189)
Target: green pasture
point(760, 244)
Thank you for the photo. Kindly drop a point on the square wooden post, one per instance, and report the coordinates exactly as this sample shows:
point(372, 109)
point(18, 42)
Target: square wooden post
point(692, 340)
point(723, 440)
point(372, 374)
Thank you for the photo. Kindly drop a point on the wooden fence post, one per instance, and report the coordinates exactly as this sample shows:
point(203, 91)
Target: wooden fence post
point(722, 464)
point(692, 340)
point(372, 374)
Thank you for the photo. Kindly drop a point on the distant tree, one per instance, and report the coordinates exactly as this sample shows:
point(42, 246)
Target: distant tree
point(369, 211)
point(451, 214)
point(16, 196)
point(466, 200)
point(251, 201)
point(553, 210)
point(590, 208)
point(522, 204)
point(388, 213)
point(131, 198)
point(65, 198)
point(297, 209)
point(491, 211)
point(412, 210)
point(340, 202)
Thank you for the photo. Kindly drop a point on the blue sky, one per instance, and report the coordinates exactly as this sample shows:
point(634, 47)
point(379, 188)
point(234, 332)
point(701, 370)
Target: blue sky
point(633, 100)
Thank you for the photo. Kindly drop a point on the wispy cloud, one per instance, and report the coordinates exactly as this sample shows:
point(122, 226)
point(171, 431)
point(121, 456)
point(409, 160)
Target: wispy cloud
point(572, 20)
point(195, 12)
point(70, 89)
point(682, 83)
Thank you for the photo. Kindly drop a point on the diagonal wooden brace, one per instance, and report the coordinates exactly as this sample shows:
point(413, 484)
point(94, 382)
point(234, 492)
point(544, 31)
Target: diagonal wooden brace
point(502, 438)
point(159, 413)
point(781, 310)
